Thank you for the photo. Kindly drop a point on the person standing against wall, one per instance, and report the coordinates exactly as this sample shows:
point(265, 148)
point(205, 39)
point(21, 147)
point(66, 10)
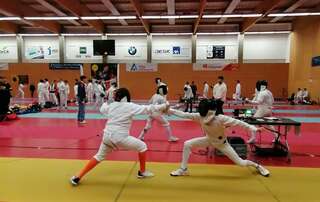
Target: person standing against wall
point(32, 88)
point(20, 91)
point(75, 90)
point(90, 91)
point(68, 92)
point(41, 99)
point(62, 93)
point(220, 94)
point(52, 90)
point(81, 95)
point(238, 91)
point(188, 96)
point(194, 90)
point(205, 90)
point(46, 93)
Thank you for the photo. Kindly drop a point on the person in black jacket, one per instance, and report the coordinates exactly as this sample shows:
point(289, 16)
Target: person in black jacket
point(81, 96)
point(32, 88)
point(4, 98)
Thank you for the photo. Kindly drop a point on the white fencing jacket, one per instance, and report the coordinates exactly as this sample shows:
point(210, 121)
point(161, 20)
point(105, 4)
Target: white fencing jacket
point(214, 126)
point(220, 91)
point(120, 116)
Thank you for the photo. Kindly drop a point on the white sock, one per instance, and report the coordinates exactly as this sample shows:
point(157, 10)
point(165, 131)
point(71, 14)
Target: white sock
point(185, 157)
point(169, 131)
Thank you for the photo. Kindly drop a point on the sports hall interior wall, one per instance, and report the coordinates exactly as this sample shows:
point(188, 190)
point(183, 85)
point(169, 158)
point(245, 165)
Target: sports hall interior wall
point(305, 44)
point(37, 71)
point(142, 86)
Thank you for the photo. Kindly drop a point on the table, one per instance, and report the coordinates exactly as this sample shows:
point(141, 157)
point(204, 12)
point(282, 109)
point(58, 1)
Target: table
point(280, 123)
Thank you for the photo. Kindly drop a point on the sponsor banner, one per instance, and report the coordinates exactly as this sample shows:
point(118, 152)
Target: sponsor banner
point(174, 51)
point(146, 67)
point(80, 48)
point(8, 48)
point(42, 52)
point(57, 66)
point(4, 66)
point(217, 66)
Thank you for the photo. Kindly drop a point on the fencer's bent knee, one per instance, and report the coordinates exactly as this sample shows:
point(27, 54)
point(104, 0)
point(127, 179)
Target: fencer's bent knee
point(142, 148)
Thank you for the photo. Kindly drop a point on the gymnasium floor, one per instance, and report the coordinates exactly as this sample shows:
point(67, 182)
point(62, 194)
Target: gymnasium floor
point(39, 152)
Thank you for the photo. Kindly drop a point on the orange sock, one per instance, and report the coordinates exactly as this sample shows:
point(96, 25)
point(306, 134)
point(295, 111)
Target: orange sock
point(142, 160)
point(91, 164)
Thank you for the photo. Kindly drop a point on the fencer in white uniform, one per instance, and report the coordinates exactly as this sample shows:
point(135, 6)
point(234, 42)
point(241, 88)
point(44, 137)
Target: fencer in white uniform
point(46, 90)
point(206, 90)
point(63, 94)
point(67, 92)
point(40, 89)
point(100, 94)
point(75, 92)
point(238, 91)
point(110, 92)
point(52, 95)
point(214, 128)
point(299, 96)
point(264, 101)
point(20, 91)
point(156, 99)
point(116, 133)
point(90, 91)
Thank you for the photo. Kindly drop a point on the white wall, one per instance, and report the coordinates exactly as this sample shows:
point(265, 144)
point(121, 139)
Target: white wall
point(258, 48)
point(8, 50)
point(41, 49)
point(162, 49)
point(137, 45)
point(72, 49)
point(266, 48)
point(229, 41)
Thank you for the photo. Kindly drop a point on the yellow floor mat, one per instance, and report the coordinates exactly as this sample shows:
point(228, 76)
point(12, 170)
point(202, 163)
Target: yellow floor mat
point(33, 180)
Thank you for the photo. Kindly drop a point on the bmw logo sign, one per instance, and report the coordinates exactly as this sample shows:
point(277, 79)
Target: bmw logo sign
point(132, 50)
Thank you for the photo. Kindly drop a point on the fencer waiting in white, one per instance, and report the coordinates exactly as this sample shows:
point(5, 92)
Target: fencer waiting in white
point(214, 128)
point(205, 90)
point(90, 91)
point(20, 90)
point(264, 101)
point(116, 133)
point(156, 99)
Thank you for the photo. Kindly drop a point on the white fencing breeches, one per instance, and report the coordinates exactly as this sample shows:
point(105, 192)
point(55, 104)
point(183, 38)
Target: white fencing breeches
point(41, 99)
point(128, 143)
point(46, 96)
point(20, 93)
point(160, 119)
point(90, 96)
point(225, 148)
point(63, 99)
point(53, 98)
point(261, 112)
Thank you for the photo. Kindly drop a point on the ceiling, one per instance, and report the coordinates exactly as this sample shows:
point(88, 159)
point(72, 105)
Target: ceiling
point(23, 8)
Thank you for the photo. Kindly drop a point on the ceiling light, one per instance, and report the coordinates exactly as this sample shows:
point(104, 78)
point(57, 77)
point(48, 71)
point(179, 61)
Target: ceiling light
point(171, 34)
point(38, 34)
point(126, 34)
point(272, 32)
point(81, 34)
point(9, 18)
point(8, 35)
point(217, 33)
point(108, 17)
point(51, 18)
